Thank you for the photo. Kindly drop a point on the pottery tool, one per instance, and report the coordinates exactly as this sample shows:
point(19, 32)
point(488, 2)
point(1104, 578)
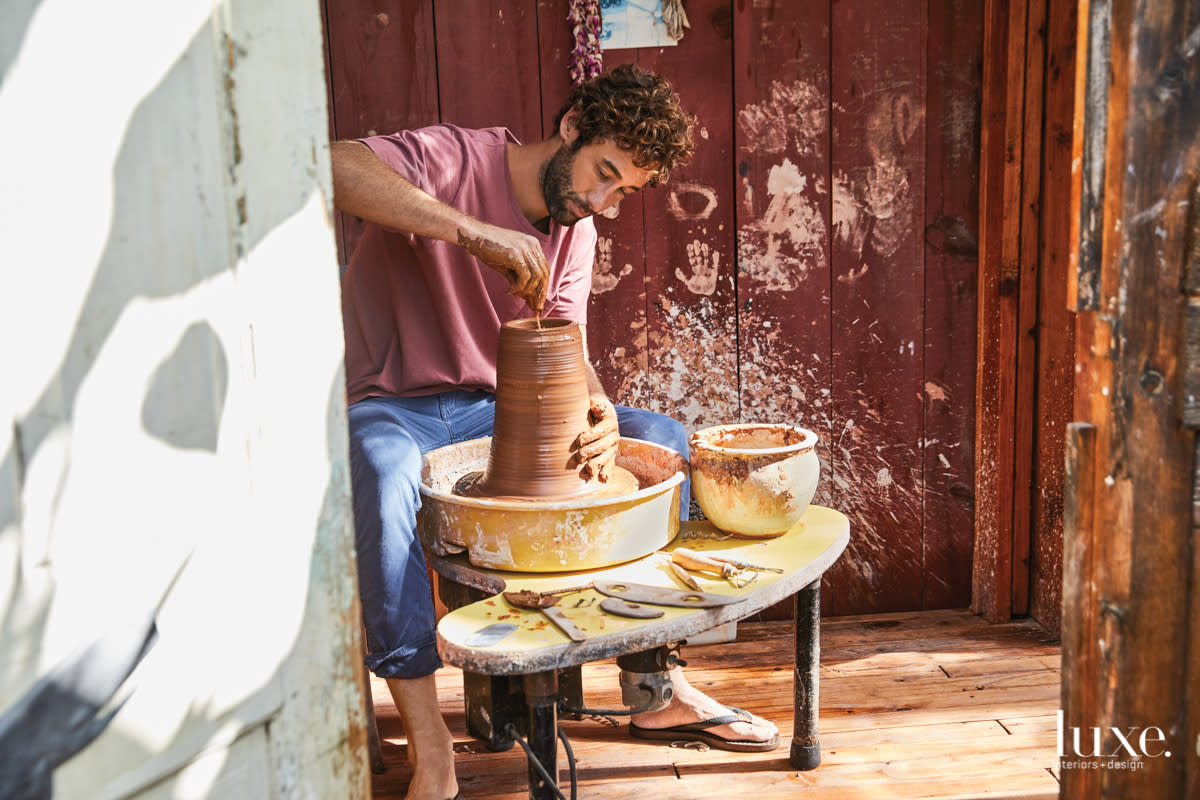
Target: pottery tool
point(564, 624)
point(698, 562)
point(683, 576)
point(545, 602)
point(728, 568)
point(662, 596)
point(741, 564)
point(488, 635)
point(527, 598)
point(623, 608)
point(713, 562)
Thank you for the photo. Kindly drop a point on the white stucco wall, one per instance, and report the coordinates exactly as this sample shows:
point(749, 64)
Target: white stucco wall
point(171, 391)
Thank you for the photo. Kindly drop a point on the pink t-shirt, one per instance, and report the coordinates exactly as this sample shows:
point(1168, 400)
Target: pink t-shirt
point(422, 316)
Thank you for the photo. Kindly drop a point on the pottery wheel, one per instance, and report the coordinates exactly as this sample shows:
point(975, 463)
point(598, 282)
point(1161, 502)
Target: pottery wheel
point(620, 482)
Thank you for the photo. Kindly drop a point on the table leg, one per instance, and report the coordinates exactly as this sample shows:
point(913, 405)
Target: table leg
point(541, 695)
point(806, 748)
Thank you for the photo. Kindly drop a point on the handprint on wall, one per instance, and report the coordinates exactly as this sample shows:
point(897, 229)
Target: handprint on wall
point(703, 261)
point(603, 279)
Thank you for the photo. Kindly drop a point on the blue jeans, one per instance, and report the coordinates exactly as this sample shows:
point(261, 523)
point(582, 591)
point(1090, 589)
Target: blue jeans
point(387, 438)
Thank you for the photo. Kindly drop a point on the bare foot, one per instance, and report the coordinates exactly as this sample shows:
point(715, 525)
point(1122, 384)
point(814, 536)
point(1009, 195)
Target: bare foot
point(691, 705)
point(430, 744)
point(433, 770)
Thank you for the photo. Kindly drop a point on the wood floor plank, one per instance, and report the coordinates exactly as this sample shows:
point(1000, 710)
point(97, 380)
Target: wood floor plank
point(1043, 724)
point(935, 705)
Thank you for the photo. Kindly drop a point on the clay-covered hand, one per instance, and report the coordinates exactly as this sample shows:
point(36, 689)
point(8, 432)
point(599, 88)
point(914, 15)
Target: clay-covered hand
point(597, 446)
point(515, 255)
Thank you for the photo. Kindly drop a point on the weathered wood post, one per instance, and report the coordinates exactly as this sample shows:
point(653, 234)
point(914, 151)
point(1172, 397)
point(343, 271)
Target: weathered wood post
point(1131, 627)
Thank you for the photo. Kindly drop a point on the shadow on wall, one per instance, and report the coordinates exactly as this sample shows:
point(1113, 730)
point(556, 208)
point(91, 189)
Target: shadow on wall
point(17, 16)
point(168, 235)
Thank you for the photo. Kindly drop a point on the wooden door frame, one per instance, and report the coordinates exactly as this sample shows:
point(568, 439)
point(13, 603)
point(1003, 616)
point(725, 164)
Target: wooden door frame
point(1025, 331)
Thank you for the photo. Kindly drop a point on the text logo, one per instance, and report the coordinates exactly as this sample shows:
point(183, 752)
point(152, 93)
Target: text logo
point(1127, 748)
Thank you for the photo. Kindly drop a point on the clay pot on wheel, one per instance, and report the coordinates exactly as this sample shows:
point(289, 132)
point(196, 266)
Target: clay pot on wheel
point(542, 406)
point(754, 480)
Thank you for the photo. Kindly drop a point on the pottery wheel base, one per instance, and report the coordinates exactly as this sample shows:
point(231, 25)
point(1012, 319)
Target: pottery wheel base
point(620, 482)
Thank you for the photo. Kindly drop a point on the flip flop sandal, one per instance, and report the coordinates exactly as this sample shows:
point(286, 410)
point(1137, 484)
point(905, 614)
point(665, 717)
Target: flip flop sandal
point(698, 732)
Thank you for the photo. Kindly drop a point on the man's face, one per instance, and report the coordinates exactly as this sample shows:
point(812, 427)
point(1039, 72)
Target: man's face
point(578, 182)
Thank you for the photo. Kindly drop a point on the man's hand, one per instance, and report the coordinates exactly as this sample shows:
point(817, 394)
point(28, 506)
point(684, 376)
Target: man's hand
point(516, 256)
point(597, 446)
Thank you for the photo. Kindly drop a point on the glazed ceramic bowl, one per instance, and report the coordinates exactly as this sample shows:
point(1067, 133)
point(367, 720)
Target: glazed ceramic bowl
point(754, 480)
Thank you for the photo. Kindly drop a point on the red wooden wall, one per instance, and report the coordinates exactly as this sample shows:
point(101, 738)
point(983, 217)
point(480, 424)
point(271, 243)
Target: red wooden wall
point(815, 262)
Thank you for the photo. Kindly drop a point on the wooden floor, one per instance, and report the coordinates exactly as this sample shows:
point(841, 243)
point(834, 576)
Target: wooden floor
point(934, 704)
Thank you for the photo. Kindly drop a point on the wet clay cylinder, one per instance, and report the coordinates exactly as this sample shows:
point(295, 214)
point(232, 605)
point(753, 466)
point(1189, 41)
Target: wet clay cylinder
point(541, 408)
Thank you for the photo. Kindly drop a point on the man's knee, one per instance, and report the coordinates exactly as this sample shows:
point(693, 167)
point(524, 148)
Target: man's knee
point(636, 423)
point(650, 426)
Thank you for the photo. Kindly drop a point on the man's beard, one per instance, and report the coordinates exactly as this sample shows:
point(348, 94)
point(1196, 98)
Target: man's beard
point(556, 187)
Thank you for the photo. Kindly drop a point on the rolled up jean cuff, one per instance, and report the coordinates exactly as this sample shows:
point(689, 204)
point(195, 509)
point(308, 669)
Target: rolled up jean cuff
point(407, 662)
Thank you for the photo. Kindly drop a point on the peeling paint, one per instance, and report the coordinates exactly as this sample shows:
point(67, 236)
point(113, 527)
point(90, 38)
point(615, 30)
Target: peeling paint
point(935, 392)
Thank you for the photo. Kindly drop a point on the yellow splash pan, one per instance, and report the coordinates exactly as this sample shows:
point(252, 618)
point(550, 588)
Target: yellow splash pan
point(550, 536)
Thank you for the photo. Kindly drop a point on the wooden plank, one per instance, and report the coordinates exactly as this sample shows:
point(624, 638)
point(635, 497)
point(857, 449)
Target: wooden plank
point(1056, 323)
point(782, 217)
point(487, 66)
point(382, 73)
point(899, 778)
point(868, 745)
point(1028, 785)
point(1049, 659)
point(617, 330)
point(338, 233)
point(1192, 733)
point(955, 51)
point(382, 76)
point(617, 339)
point(1044, 723)
point(1149, 452)
point(1191, 332)
point(999, 231)
point(1091, 145)
point(1079, 686)
point(1025, 344)
point(781, 97)
point(905, 620)
point(617, 312)
point(691, 318)
point(878, 126)
point(1141, 501)
point(1108, 577)
point(555, 42)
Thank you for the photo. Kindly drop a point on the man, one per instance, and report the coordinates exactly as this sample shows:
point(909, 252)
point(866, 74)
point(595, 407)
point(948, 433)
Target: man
point(468, 229)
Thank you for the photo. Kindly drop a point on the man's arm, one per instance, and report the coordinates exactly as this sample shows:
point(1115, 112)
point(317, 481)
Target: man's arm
point(598, 444)
point(366, 187)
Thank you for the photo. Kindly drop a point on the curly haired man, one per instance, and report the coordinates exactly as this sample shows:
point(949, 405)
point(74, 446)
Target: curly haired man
point(467, 229)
